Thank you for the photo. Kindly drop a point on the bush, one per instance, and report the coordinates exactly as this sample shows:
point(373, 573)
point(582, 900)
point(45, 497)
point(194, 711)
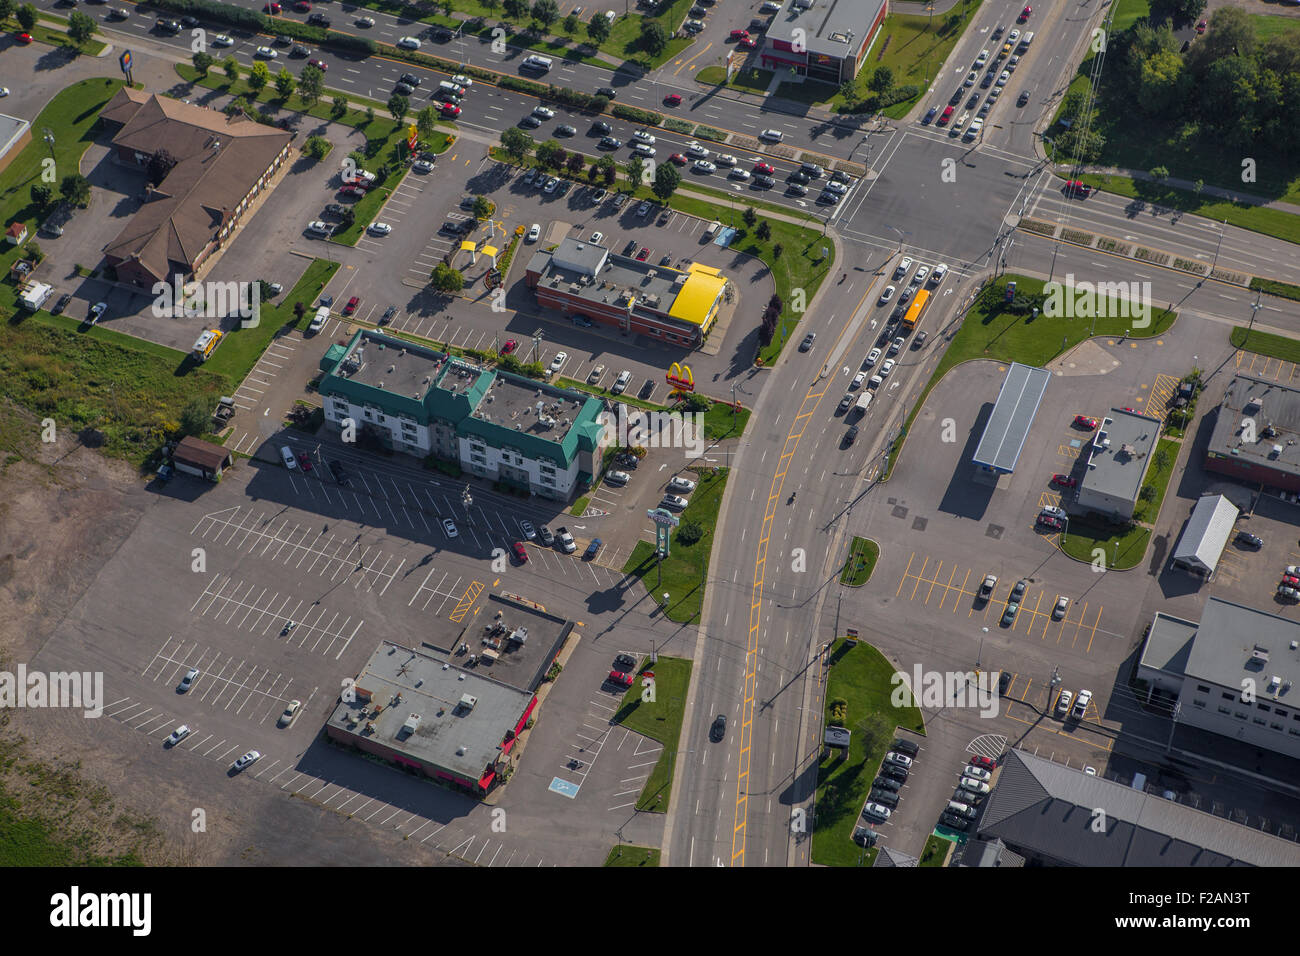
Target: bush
point(689, 532)
point(838, 710)
point(636, 115)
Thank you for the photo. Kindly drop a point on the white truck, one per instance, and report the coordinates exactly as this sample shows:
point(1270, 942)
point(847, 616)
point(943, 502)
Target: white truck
point(35, 294)
point(319, 319)
point(861, 405)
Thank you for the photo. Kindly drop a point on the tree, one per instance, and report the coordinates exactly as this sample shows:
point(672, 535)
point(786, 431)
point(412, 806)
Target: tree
point(491, 4)
point(42, 195)
point(516, 9)
point(6, 9)
point(202, 62)
point(284, 82)
point(689, 532)
point(317, 147)
point(398, 107)
point(311, 84)
point(482, 207)
point(80, 27)
point(194, 417)
point(598, 29)
point(160, 164)
point(635, 170)
point(1162, 85)
point(777, 250)
point(1198, 186)
point(571, 24)
point(1159, 173)
point(550, 154)
point(575, 162)
point(882, 80)
point(370, 115)
point(750, 217)
point(446, 279)
point(448, 7)
point(516, 142)
point(764, 232)
point(667, 179)
point(610, 170)
point(654, 38)
point(259, 76)
point(338, 106)
point(26, 17)
point(426, 122)
point(1148, 493)
point(75, 188)
point(1161, 459)
point(230, 67)
point(849, 91)
point(546, 12)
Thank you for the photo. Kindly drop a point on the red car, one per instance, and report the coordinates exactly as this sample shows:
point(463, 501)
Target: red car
point(1024, 14)
point(643, 255)
point(304, 461)
point(673, 99)
point(352, 305)
point(621, 678)
point(977, 760)
point(352, 189)
point(764, 169)
point(319, 64)
point(1047, 521)
point(302, 6)
point(509, 347)
point(748, 43)
point(1200, 27)
point(520, 552)
point(272, 8)
point(678, 159)
point(945, 116)
point(1076, 188)
point(1083, 421)
point(738, 35)
point(1065, 481)
point(447, 109)
point(23, 37)
point(1290, 580)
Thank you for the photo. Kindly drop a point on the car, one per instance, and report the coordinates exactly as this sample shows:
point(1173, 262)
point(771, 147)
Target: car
point(460, 79)
point(542, 112)
point(876, 812)
point(977, 773)
point(693, 26)
point(365, 21)
point(620, 383)
point(534, 233)
point(266, 53)
point(96, 312)
point(1250, 540)
point(828, 198)
point(771, 135)
point(748, 43)
point(971, 78)
point(422, 166)
point(1023, 98)
point(404, 88)
point(907, 294)
point(738, 35)
point(947, 114)
point(61, 304)
point(725, 159)
point(764, 169)
point(858, 380)
point(642, 136)
point(886, 798)
point(1053, 510)
point(1047, 521)
point(673, 502)
point(600, 127)
point(986, 587)
point(887, 294)
point(1065, 481)
point(703, 166)
point(597, 238)
point(1075, 188)
point(290, 712)
point(1009, 613)
point(1024, 14)
point(718, 729)
point(979, 760)
point(520, 552)
point(618, 477)
point(1062, 605)
point(851, 435)
point(1013, 36)
point(177, 735)
point(807, 342)
point(352, 305)
point(409, 43)
point(557, 363)
point(566, 130)
point(673, 99)
point(989, 77)
point(1018, 591)
point(973, 102)
point(188, 680)
point(919, 339)
point(379, 229)
point(894, 771)
point(530, 122)
point(547, 537)
point(678, 483)
point(271, 8)
point(219, 40)
point(449, 527)
point(304, 461)
point(643, 255)
point(875, 382)
point(302, 6)
point(741, 174)
point(930, 115)
point(1291, 580)
point(886, 783)
point(527, 528)
point(984, 109)
point(1081, 703)
point(1084, 421)
point(565, 540)
point(896, 345)
point(978, 787)
point(340, 474)
point(247, 760)
point(552, 184)
point(609, 142)
point(886, 368)
point(1290, 593)
point(1063, 701)
point(678, 159)
point(898, 759)
point(1200, 27)
point(1003, 77)
point(846, 402)
point(593, 549)
point(954, 822)
point(448, 110)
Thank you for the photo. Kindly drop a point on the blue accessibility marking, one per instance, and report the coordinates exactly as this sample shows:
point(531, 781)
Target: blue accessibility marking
point(564, 788)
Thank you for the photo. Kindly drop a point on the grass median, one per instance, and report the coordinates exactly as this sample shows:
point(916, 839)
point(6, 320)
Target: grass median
point(861, 561)
point(1116, 547)
point(660, 719)
point(626, 855)
point(1266, 343)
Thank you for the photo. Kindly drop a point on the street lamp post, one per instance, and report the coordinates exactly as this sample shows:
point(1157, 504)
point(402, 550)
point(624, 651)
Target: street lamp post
point(49, 140)
point(1254, 310)
point(1218, 247)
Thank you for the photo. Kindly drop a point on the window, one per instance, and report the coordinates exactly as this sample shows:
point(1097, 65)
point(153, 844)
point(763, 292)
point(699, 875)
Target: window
point(1197, 703)
point(1272, 726)
point(1240, 716)
point(1225, 710)
point(1202, 688)
point(1227, 696)
point(1259, 720)
point(1262, 706)
point(477, 458)
point(549, 470)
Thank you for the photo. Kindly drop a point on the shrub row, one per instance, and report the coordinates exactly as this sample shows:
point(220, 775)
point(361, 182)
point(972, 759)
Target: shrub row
point(1147, 255)
point(1284, 289)
point(1035, 225)
point(708, 132)
point(1188, 265)
point(679, 126)
point(1077, 235)
point(1113, 245)
point(647, 117)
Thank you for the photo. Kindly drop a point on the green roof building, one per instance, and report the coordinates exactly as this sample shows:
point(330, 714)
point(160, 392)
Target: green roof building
point(495, 425)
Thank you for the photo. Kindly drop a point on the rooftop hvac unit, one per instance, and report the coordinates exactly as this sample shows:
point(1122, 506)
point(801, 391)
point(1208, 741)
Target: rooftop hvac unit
point(468, 701)
point(1277, 450)
point(381, 383)
point(460, 751)
point(651, 273)
point(1259, 654)
point(1274, 682)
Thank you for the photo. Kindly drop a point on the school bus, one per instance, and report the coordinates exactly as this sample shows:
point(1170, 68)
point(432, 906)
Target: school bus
point(913, 317)
point(206, 344)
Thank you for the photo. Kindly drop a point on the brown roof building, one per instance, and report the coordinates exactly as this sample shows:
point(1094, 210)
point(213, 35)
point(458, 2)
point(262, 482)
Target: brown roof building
point(202, 459)
point(222, 164)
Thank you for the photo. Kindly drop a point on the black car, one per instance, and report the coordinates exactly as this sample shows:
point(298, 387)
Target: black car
point(442, 35)
point(1023, 98)
point(61, 304)
point(609, 142)
point(954, 822)
point(1004, 682)
point(624, 662)
point(547, 536)
point(764, 182)
point(167, 26)
point(189, 22)
point(1250, 540)
point(601, 127)
point(905, 747)
point(894, 772)
point(282, 41)
point(406, 89)
point(630, 248)
point(388, 314)
point(956, 97)
point(340, 474)
point(851, 435)
point(798, 177)
point(885, 783)
point(607, 91)
point(973, 102)
point(530, 122)
point(807, 342)
point(719, 728)
point(319, 20)
point(410, 79)
point(886, 798)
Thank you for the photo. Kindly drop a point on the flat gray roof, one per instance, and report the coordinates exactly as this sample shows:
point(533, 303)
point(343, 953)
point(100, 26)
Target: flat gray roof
point(1207, 532)
point(394, 365)
point(1119, 454)
point(1229, 638)
point(595, 274)
point(1274, 404)
point(1008, 426)
point(832, 27)
point(513, 403)
point(1169, 644)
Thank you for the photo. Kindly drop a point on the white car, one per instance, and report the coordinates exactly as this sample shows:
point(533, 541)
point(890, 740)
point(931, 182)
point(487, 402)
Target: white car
point(365, 21)
point(887, 294)
point(4, 91)
point(887, 368)
point(696, 150)
point(380, 228)
point(1002, 79)
point(641, 149)
point(557, 363)
point(899, 760)
point(552, 184)
point(541, 112)
point(875, 382)
point(726, 159)
point(318, 227)
point(449, 526)
point(977, 773)
point(1013, 36)
point(1081, 703)
point(939, 272)
point(703, 166)
point(921, 273)
point(904, 266)
point(618, 477)
point(222, 40)
point(529, 531)
point(566, 541)
point(858, 380)
point(1062, 605)
point(772, 135)
point(188, 680)
point(423, 166)
point(409, 43)
point(290, 713)
point(877, 811)
point(741, 174)
point(247, 760)
point(641, 136)
point(982, 58)
point(681, 484)
point(1063, 702)
point(460, 79)
point(534, 233)
point(675, 502)
point(177, 735)
point(597, 238)
point(838, 189)
point(97, 311)
point(266, 53)
point(873, 357)
point(973, 785)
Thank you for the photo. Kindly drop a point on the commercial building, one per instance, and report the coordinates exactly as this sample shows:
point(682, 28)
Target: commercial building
point(495, 425)
point(1044, 814)
point(822, 39)
point(1256, 435)
point(202, 459)
point(428, 716)
point(221, 166)
point(1206, 534)
point(1117, 463)
point(1008, 425)
point(589, 283)
point(15, 134)
point(1207, 666)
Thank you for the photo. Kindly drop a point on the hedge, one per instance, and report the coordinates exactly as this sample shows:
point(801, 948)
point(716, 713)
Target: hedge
point(638, 115)
point(1283, 289)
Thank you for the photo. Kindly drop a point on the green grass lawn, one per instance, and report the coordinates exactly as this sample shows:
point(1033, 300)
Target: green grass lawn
point(625, 855)
point(861, 561)
point(1120, 548)
point(1158, 474)
point(1267, 27)
point(661, 720)
point(936, 848)
point(1266, 343)
point(752, 80)
point(989, 333)
point(54, 32)
point(685, 570)
point(722, 420)
point(861, 676)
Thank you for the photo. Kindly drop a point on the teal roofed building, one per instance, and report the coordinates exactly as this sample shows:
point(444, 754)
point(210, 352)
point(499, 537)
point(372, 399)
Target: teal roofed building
point(493, 424)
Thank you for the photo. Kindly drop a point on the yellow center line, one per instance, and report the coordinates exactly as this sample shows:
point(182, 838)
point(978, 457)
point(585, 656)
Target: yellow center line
point(693, 59)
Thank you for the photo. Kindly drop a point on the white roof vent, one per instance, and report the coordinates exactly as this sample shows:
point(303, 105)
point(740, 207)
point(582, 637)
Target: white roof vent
point(412, 724)
point(468, 701)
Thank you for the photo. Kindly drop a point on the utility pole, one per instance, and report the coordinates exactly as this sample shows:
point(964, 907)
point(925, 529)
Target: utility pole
point(1254, 310)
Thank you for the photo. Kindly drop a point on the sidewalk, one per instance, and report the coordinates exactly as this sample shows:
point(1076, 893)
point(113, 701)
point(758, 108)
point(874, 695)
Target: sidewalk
point(1216, 191)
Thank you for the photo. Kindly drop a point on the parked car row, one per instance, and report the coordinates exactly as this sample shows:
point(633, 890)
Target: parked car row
point(885, 789)
point(1069, 706)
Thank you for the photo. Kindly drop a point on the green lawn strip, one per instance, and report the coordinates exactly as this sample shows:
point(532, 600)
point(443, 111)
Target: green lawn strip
point(934, 851)
point(1267, 27)
point(29, 840)
point(1266, 343)
point(686, 568)
point(1128, 12)
point(1124, 546)
point(722, 420)
point(861, 676)
point(241, 348)
point(661, 720)
point(1285, 290)
point(1005, 337)
point(752, 79)
point(627, 855)
point(860, 563)
point(579, 506)
point(56, 35)
point(1159, 471)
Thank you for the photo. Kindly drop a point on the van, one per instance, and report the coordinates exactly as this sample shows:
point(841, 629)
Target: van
point(286, 453)
point(860, 407)
point(712, 230)
point(451, 89)
point(205, 345)
point(319, 319)
point(1025, 40)
point(540, 63)
point(961, 809)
